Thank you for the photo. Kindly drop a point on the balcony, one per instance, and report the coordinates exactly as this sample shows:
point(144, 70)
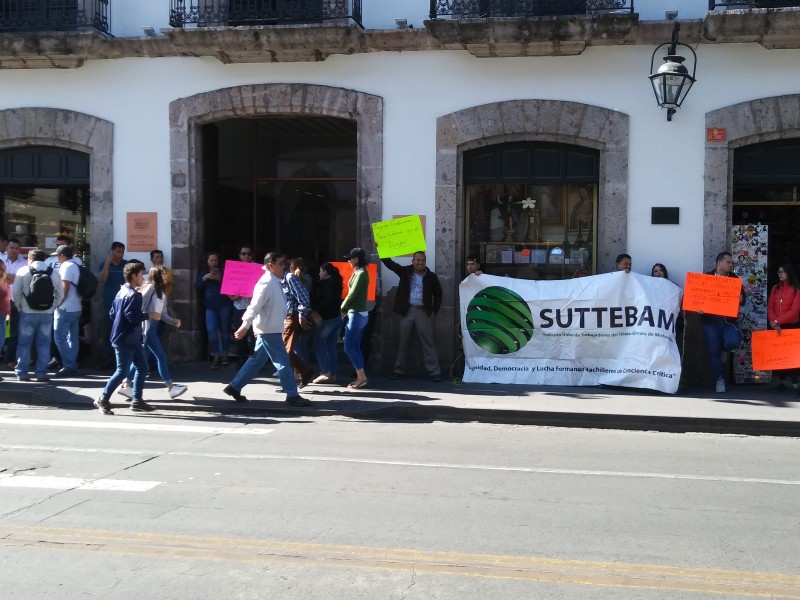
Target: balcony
point(54, 15)
point(234, 13)
point(733, 4)
point(485, 9)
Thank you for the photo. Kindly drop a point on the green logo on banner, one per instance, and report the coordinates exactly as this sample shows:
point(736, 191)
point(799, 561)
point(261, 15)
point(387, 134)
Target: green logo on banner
point(499, 320)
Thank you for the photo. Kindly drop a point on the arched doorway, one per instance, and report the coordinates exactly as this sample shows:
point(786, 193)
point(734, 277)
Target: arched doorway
point(189, 154)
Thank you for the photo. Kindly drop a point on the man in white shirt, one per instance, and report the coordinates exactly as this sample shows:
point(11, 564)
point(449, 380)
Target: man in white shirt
point(68, 315)
point(52, 260)
point(3, 244)
point(35, 322)
point(14, 262)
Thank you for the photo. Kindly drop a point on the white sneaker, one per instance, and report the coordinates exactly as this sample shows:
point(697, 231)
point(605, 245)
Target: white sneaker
point(125, 391)
point(177, 390)
point(720, 386)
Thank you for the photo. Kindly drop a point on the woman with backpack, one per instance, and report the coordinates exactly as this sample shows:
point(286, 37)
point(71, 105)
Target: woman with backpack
point(783, 312)
point(154, 298)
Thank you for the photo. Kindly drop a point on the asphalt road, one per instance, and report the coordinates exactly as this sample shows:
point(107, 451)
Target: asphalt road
point(200, 506)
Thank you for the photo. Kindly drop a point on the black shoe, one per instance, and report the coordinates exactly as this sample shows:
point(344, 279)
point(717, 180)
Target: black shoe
point(141, 406)
point(23, 378)
point(781, 387)
point(395, 376)
point(42, 380)
point(104, 405)
point(298, 401)
point(306, 379)
point(436, 378)
point(67, 373)
point(53, 365)
point(234, 393)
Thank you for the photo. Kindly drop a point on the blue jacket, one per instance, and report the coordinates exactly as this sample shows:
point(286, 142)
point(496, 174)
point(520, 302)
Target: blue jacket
point(127, 317)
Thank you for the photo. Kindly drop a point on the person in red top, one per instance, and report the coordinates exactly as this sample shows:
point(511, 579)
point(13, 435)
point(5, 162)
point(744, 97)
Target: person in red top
point(783, 312)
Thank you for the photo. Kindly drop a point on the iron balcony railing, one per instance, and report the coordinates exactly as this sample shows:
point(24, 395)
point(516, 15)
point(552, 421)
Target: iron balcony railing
point(713, 4)
point(53, 15)
point(479, 9)
point(231, 13)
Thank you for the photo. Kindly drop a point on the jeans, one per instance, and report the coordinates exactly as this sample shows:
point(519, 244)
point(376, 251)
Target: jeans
point(125, 356)
point(325, 339)
point(34, 328)
point(66, 336)
point(356, 322)
point(269, 346)
point(153, 344)
point(218, 327)
point(712, 334)
point(244, 346)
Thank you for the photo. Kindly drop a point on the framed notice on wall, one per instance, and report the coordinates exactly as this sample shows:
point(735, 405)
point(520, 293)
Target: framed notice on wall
point(142, 231)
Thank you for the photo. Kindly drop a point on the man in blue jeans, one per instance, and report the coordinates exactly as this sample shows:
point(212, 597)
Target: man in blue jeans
point(68, 314)
point(714, 324)
point(266, 314)
point(36, 314)
point(126, 339)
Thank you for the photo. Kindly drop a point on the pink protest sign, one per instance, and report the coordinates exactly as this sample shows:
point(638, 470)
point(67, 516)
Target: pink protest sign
point(239, 278)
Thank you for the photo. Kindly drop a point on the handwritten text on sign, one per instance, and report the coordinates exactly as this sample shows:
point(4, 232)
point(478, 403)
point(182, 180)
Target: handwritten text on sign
point(346, 270)
point(712, 294)
point(773, 351)
point(399, 236)
point(239, 278)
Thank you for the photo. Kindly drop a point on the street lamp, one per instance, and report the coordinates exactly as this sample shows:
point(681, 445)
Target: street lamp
point(672, 82)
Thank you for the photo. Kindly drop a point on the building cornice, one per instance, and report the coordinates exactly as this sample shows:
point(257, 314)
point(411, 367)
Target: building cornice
point(483, 38)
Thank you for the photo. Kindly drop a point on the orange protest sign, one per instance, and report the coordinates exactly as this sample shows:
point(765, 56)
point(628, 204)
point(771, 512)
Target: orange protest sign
point(345, 270)
point(712, 294)
point(773, 351)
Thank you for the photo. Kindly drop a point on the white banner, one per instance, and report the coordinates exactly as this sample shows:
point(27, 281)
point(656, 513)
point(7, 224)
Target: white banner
point(613, 329)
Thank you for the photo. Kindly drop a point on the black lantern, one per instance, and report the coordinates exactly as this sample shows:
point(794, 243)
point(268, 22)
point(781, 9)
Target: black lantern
point(672, 82)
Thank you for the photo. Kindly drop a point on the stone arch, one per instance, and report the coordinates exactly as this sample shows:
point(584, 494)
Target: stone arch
point(41, 126)
point(188, 115)
point(752, 122)
point(36, 126)
point(526, 120)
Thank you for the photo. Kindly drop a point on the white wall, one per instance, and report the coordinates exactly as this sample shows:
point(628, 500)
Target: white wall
point(666, 158)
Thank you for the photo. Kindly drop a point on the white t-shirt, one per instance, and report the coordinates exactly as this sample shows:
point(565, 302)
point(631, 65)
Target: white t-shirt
point(69, 271)
point(52, 261)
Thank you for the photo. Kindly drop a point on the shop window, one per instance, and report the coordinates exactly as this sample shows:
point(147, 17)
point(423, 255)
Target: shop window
point(531, 210)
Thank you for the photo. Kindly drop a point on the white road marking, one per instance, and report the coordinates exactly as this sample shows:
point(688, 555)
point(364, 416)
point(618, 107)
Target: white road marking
point(430, 465)
point(136, 426)
point(68, 483)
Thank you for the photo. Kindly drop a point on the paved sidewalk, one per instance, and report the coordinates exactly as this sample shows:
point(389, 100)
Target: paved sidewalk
point(745, 409)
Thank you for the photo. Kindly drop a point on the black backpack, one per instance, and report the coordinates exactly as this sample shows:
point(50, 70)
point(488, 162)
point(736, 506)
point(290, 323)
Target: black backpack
point(42, 290)
point(87, 282)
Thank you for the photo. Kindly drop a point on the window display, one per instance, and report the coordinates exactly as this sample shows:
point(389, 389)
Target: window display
point(532, 231)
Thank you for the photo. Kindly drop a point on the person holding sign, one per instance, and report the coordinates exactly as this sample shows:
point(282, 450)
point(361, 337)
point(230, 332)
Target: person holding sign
point(244, 347)
point(783, 312)
point(418, 299)
point(714, 324)
point(354, 306)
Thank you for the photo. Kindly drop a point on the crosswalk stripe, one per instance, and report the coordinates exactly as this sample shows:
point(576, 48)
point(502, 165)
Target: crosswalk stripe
point(68, 483)
point(12, 420)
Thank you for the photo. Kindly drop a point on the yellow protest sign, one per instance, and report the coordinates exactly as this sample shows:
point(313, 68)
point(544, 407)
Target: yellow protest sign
point(399, 236)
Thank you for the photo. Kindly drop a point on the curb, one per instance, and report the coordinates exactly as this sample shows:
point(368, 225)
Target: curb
point(415, 412)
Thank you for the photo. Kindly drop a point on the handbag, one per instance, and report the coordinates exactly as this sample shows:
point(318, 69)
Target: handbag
point(731, 337)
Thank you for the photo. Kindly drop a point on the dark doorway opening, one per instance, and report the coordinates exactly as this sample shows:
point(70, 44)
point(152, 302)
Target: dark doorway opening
point(281, 183)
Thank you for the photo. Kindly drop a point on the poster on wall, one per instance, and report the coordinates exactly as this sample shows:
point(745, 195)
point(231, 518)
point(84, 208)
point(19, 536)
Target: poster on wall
point(614, 329)
point(142, 231)
point(749, 244)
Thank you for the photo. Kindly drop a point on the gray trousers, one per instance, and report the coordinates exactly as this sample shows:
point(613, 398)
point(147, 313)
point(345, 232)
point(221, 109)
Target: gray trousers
point(417, 316)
